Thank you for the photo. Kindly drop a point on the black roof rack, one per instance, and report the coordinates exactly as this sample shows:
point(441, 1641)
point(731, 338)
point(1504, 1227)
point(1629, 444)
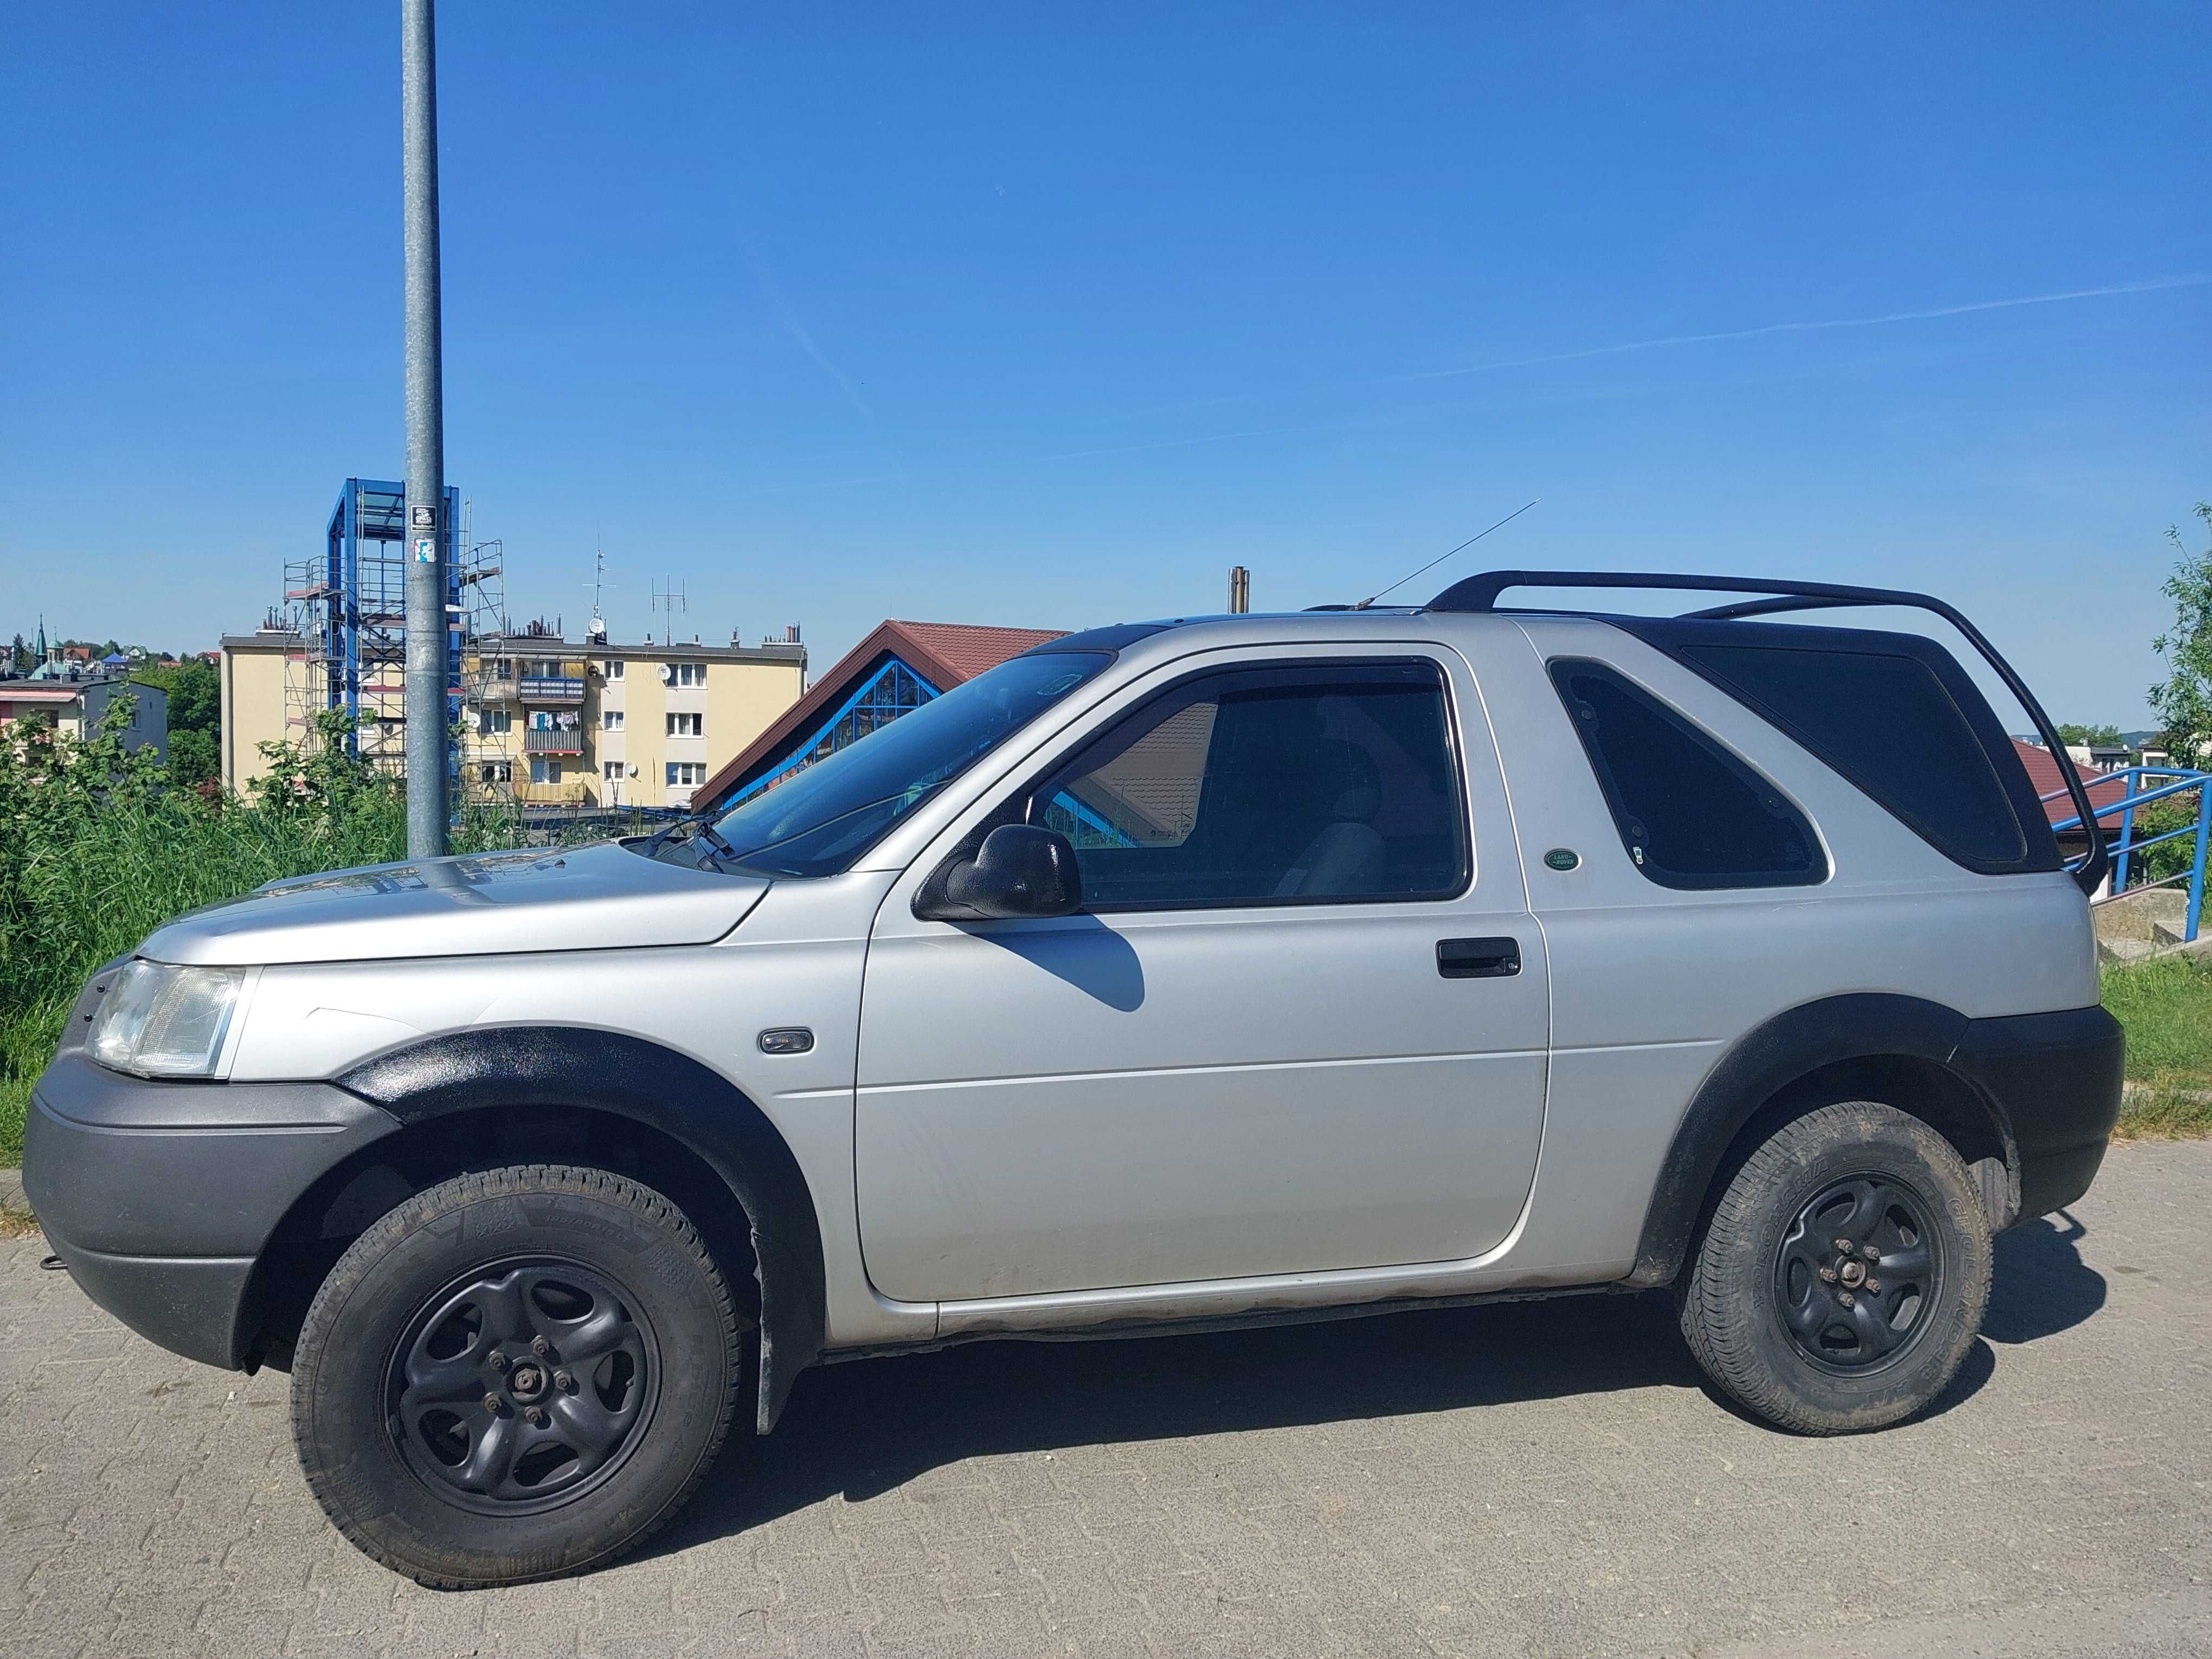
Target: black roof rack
point(1479, 593)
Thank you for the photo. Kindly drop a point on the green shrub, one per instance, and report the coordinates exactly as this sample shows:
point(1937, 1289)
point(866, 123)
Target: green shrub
point(99, 845)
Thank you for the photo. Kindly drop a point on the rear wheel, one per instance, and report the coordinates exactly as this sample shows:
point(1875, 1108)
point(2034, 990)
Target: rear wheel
point(1844, 1274)
point(516, 1375)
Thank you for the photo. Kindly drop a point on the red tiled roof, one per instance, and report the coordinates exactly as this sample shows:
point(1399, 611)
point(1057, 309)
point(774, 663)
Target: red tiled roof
point(966, 649)
point(943, 653)
point(2043, 772)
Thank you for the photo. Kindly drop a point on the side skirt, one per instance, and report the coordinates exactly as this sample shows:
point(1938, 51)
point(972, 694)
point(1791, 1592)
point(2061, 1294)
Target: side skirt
point(1259, 1317)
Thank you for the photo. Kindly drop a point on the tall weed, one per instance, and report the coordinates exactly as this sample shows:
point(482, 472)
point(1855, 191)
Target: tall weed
point(99, 845)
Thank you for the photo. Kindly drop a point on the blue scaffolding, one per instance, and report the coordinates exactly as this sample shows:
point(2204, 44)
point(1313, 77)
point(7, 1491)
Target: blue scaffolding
point(351, 605)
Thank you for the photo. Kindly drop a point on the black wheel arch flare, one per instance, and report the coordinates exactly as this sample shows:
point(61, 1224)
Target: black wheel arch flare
point(1761, 1067)
point(536, 1066)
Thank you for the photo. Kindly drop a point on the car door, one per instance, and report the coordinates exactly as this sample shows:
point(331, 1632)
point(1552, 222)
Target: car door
point(1299, 1024)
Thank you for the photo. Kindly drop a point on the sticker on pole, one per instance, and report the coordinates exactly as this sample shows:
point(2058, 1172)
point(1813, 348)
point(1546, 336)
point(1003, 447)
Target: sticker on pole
point(426, 550)
point(422, 518)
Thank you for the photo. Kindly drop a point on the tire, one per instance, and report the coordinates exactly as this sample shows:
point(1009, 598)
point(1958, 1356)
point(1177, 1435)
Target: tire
point(425, 1326)
point(1818, 1354)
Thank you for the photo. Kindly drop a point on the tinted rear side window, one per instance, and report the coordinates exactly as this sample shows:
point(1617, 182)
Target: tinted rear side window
point(1890, 725)
point(1691, 813)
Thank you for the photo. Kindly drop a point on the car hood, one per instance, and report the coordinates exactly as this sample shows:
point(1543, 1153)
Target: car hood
point(582, 898)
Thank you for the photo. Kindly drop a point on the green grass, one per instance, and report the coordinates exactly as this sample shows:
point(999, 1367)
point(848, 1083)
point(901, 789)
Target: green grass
point(2167, 1007)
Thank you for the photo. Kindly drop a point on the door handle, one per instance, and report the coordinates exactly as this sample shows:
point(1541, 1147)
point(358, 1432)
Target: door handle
point(1478, 958)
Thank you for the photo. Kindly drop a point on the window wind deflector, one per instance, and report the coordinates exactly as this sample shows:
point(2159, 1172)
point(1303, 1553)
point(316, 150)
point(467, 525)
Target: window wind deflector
point(1480, 593)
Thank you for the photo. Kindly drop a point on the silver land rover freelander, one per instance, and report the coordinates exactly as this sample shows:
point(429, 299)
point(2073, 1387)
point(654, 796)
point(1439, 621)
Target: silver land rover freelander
point(1258, 967)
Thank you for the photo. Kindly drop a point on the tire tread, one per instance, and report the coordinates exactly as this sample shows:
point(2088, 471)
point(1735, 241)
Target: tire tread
point(320, 1326)
point(1722, 1333)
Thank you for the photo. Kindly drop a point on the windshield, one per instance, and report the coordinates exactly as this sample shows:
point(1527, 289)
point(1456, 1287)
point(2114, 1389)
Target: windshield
point(822, 819)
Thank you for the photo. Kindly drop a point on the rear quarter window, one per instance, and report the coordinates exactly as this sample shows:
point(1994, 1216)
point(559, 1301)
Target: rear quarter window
point(1888, 721)
point(1691, 813)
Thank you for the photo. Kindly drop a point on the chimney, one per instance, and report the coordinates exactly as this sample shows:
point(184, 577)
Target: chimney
point(1240, 590)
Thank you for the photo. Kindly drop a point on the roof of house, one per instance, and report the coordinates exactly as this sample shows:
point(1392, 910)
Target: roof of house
point(2043, 772)
point(943, 653)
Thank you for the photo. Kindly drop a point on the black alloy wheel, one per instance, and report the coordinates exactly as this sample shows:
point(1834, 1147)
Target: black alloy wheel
point(524, 1383)
point(1854, 1272)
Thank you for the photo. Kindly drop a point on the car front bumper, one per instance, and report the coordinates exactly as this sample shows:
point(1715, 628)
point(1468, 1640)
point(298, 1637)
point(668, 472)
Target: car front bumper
point(160, 1197)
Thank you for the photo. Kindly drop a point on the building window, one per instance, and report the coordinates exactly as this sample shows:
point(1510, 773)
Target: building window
point(611, 719)
point(615, 668)
point(684, 673)
point(686, 774)
point(686, 726)
point(610, 770)
point(545, 771)
point(495, 772)
point(493, 721)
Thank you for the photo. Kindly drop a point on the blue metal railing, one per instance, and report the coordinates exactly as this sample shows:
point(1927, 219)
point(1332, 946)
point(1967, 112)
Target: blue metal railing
point(2144, 785)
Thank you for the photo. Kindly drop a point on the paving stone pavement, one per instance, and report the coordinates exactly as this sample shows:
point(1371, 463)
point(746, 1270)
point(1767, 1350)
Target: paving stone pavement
point(1540, 1479)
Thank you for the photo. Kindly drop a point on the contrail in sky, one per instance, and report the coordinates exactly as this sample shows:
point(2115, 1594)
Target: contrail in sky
point(2149, 285)
point(797, 330)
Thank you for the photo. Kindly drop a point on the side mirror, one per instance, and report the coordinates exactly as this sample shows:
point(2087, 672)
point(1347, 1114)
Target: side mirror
point(1019, 871)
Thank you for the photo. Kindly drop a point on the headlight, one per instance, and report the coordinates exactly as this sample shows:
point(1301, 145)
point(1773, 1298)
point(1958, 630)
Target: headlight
point(163, 1021)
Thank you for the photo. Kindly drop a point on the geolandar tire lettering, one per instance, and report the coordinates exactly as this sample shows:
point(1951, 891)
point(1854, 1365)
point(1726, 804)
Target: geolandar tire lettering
point(1841, 1279)
point(516, 1375)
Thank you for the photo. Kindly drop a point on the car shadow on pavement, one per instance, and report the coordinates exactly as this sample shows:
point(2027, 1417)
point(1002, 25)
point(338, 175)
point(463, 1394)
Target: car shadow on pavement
point(866, 1427)
point(2042, 1286)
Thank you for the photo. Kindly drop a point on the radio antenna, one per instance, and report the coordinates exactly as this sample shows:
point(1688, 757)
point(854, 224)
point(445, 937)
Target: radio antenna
point(1441, 557)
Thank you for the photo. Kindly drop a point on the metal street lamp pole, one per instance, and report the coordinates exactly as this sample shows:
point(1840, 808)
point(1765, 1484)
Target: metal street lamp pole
point(427, 530)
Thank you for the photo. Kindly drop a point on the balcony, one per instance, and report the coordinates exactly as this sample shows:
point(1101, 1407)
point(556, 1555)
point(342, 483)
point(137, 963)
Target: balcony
point(538, 742)
point(545, 690)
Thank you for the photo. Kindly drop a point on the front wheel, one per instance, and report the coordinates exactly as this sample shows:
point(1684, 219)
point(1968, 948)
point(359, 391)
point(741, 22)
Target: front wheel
point(515, 1374)
point(1843, 1276)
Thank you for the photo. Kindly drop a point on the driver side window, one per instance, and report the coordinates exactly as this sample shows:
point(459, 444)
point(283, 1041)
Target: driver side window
point(1306, 784)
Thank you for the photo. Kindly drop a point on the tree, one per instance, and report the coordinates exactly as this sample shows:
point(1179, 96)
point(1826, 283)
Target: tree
point(193, 757)
point(2093, 737)
point(2182, 700)
point(195, 717)
point(19, 656)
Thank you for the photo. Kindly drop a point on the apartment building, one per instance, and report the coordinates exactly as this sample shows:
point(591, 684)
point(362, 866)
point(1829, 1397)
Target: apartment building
point(598, 724)
point(582, 725)
point(77, 706)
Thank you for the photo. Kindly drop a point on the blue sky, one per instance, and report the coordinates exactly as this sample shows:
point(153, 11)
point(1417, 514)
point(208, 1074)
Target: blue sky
point(1046, 316)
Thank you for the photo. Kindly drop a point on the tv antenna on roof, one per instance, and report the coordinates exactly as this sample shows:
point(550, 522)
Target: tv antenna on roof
point(1441, 557)
point(598, 584)
point(668, 595)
